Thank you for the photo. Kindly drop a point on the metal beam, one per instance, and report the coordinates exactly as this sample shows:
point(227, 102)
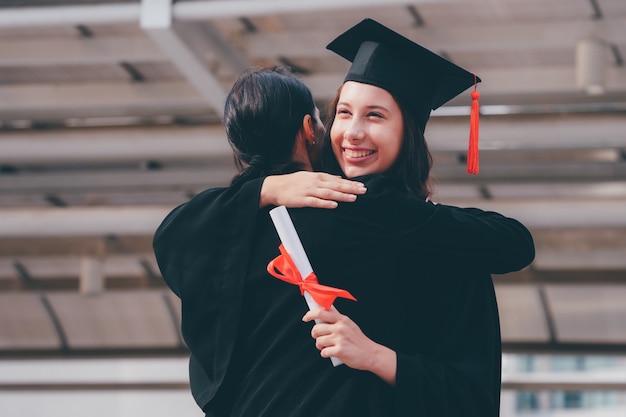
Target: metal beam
point(559, 214)
point(214, 9)
point(563, 385)
point(134, 186)
point(96, 353)
point(527, 171)
point(125, 99)
point(517, 385)
point(56, 322)
point(85, 221)
point(156, 21)
point(568, 275)
point(137, 220)
point(117, 386)
point(546, 133)
point(115, 145)
point(544, 85)
point(71, 266)
point(538, 86)
point(548, 240)
point(564, 348)
point(206, 41)
point(486, 37)
point(109, 50)
point(62, 270)
point(63, 274)
point(69, 246)
point(590, 259)
point(94, 14)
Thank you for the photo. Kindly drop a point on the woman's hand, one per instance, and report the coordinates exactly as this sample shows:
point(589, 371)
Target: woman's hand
point(338, 336)
point(308, 189)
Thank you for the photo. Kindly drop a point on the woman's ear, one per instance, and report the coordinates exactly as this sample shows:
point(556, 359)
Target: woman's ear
point(308, 129)
point(304, 139)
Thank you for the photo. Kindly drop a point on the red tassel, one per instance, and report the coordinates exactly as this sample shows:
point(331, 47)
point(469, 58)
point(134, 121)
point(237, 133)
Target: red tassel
point(472, 152)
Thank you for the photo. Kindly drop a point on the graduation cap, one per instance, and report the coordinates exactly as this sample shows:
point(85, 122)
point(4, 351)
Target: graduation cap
point(412, 73)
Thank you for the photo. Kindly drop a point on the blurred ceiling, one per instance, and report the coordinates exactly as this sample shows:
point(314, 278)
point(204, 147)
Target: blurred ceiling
point(110, 117)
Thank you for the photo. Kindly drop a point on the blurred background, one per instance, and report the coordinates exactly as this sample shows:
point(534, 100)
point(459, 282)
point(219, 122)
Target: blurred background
point(110, 117)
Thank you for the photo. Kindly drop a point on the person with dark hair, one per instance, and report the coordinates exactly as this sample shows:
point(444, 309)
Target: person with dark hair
point(267, 148)
point(264, 113)
point(423, 336)
point(203, 246)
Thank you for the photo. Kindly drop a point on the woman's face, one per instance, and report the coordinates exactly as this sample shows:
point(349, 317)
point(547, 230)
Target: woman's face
point(367, 132)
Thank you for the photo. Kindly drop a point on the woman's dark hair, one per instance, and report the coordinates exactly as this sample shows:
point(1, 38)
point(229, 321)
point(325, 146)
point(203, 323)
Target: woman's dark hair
point(262, 116)
point(410, 171)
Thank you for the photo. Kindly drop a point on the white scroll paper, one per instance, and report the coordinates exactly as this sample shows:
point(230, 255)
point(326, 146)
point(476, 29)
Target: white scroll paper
point(292, 244)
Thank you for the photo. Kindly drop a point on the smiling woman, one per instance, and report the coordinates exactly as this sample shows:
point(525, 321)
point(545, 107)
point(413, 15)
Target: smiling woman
point(377, 119)
point(375, 133)
point(367, 131)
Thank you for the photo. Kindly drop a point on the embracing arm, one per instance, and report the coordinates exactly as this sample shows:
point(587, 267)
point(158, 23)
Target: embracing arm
point(214, 216)
point(480, 239)
point(487, 240)
point(308, 189)
point(194, 247)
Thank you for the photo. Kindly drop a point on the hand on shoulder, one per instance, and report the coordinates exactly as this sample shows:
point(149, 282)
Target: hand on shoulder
point(309, 189)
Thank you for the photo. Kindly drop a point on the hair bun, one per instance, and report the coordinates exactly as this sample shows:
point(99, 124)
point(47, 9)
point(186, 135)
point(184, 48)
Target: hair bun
point(259, 163)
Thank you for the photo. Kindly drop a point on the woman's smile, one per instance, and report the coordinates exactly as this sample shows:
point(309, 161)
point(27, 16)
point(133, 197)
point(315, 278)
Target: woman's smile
point(357, 154)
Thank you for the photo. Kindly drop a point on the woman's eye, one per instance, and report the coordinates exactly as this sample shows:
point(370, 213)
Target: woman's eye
point(374, 114)
point(342, 111)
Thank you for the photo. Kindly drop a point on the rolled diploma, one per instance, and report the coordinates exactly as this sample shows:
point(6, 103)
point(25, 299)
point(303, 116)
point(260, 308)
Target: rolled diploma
point(291, 241)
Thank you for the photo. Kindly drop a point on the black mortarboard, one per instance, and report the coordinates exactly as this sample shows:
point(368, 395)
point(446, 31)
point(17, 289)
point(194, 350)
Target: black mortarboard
point(412, 73)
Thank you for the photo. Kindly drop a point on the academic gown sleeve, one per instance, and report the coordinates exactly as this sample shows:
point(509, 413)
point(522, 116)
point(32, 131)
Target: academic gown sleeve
point(483, 240)
point(202, 248)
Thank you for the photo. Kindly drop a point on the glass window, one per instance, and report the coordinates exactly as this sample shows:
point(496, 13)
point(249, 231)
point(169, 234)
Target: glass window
point(526, 401)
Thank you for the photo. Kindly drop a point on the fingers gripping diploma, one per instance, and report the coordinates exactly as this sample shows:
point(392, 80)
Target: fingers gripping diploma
point(338, 336)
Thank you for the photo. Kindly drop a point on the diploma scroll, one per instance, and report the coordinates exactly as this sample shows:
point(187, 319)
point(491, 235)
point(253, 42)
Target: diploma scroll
point(292, 244)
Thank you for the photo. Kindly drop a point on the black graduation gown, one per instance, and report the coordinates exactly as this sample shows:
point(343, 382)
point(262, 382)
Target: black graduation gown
point(419, 271)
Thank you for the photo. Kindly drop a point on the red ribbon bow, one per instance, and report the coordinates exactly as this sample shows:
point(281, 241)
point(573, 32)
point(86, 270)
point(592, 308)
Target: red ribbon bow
point(283, 268)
